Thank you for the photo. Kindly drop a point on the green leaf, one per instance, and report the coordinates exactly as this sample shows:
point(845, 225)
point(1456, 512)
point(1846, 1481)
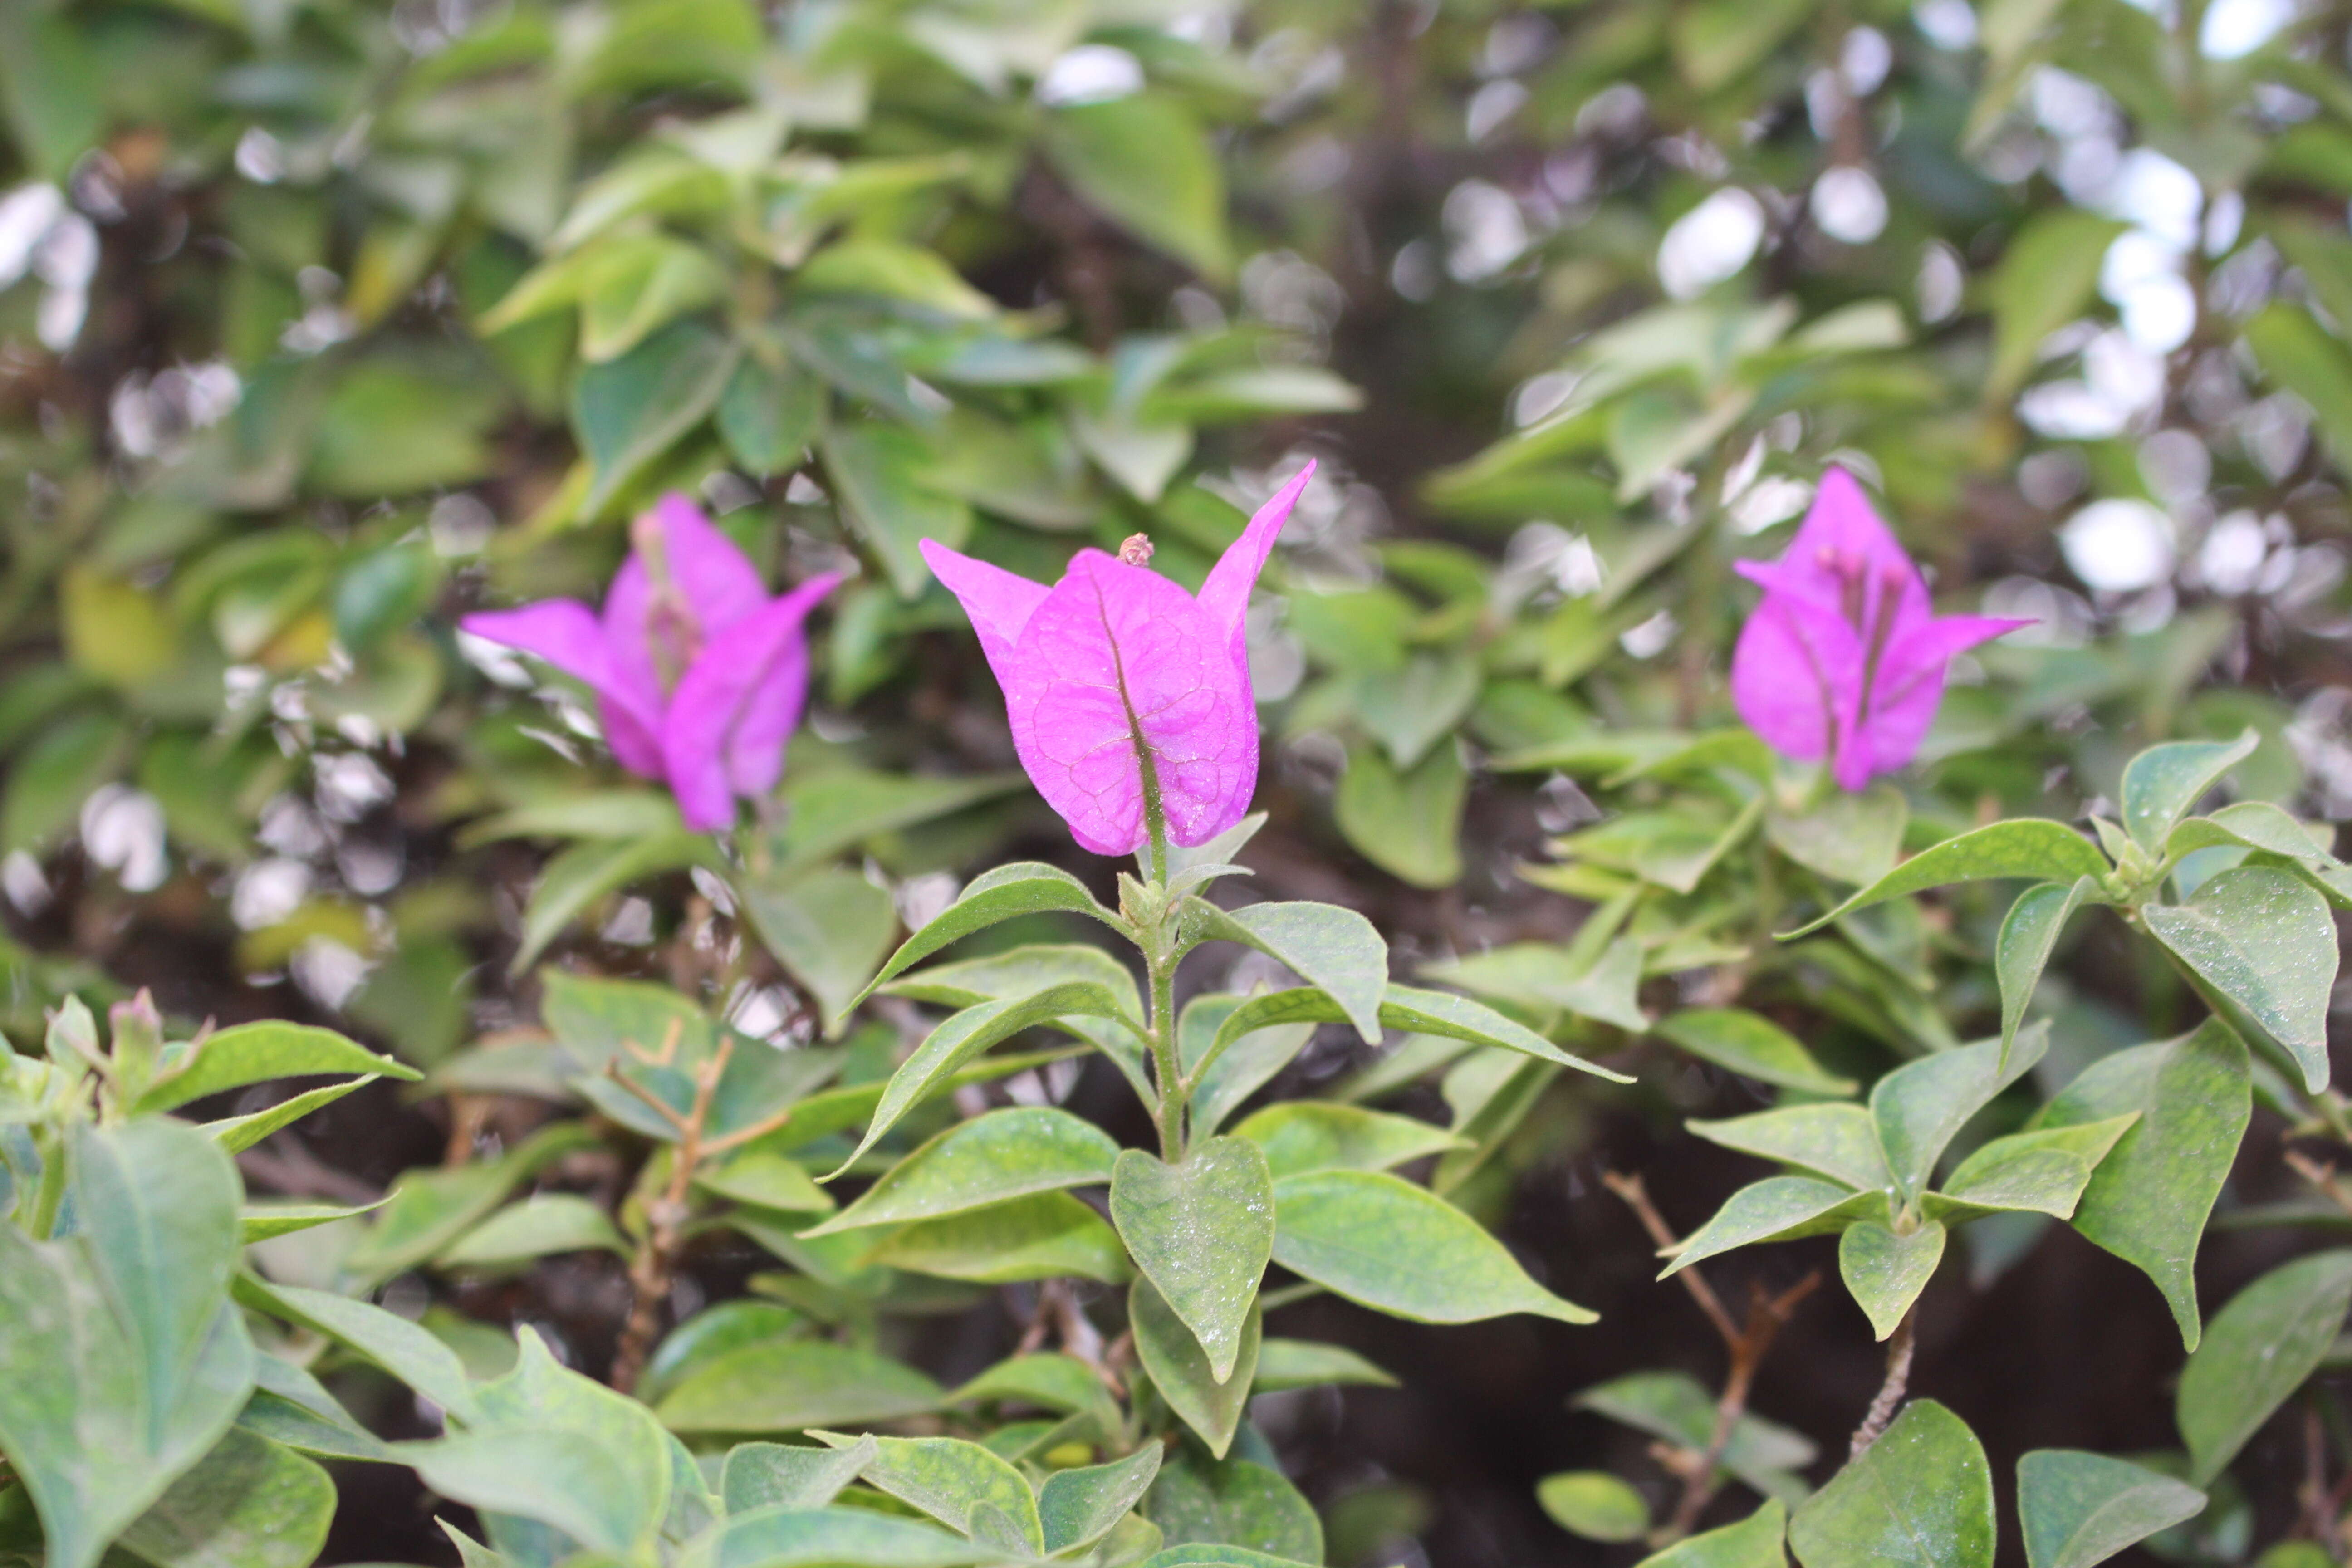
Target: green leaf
point(629, 412)
point(256, 1053)
point(1920, 1497)
point(711, 1333)
point(1885, 1271)
point(53, 84)
point(1141, 456)
point(579, 876)
point(1210, 1555)
point(1201, 1231)
point(769, 414)
point(2298, 353)
point(764, 1178)
point(1225, 1075)
point(1334, 949)
point(388, 430)
point(1549, 977)
point(1672, 1405)
point(1022, 888)
point(1922, 1105)
point(1594, 1504)
point(2264, 940)
point(1003, 1154)
point(561, 1476)
point(951, 1480)
point(891, 270)
point(248, 1503)
point(237, 1133)
point(2081, 1508)
point(413, 1355)
point(837, 1109)
point(1846, 837)
point(591, 814)
point(876, 470)
point(2164, 784)
point(835, 809)
point(1050, 1381)
point(1718, 41)
point(1777, 1208)
point(2041, 1171)
point(1751, 1046)
point(965, 1035)
point(787, 1385)
point(1397, 1248)
point(430, 1208)
point(543, 1225)
point(774, 1475)
point(840, 1538)
point(2148, 1200)
point(1018, 972)
point(289, 1406)
point(1408, 711)
point(1233, 1502)
point(1080, 1507)
point(1047, 1236)
point(1753, 1542)
point(1146, 163)
point(2029, 935)
point(830, 928)
point(1179, 1368)
point(1303, 1135)
point(49, 780)
point(2025, 846)
point(1407, 1008)
point(121, 1363)
point(2044, 280)
point(1840, 1141)
point(1310, 1364)
point(1408, 823)
point(2255, 824)
point(640, 283)
point(2260, 1347)
point(260, 1221)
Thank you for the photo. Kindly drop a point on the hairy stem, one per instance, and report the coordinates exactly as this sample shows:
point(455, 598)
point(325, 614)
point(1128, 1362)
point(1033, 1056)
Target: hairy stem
point(1890, 1394)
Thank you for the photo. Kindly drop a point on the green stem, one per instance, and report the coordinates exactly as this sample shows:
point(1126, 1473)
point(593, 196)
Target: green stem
point(1155, 821)
point(1167, 1063)
point(50, 1195)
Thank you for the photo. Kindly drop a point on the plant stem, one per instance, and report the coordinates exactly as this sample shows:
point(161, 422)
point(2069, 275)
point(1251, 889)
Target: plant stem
point(50, 1195)
point(1167, 1062)
point(1746, 1346)
point(654, 1266)
point(1890, 1393)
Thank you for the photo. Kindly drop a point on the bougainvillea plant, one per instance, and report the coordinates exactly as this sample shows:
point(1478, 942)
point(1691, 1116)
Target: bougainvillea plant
point(1717, 632)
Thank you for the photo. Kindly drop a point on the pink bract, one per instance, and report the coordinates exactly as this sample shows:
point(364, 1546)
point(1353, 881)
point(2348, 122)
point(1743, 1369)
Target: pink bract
point(1845, 659)
point(1115, 670)
point(699, 676)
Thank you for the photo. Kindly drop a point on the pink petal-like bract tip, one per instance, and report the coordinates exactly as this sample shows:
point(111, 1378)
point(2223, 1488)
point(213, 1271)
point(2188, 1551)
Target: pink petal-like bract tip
point(1121, 687)
point(699, 676)
point(1844, 659)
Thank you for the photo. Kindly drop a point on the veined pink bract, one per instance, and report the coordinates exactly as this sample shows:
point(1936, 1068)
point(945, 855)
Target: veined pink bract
point(1120, 686)
point(1845, 657)
point(699, 676)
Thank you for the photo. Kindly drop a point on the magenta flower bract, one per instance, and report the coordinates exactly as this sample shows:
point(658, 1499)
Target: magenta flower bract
point(699, 674)
point(1114, 670)
point(1845, 657)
